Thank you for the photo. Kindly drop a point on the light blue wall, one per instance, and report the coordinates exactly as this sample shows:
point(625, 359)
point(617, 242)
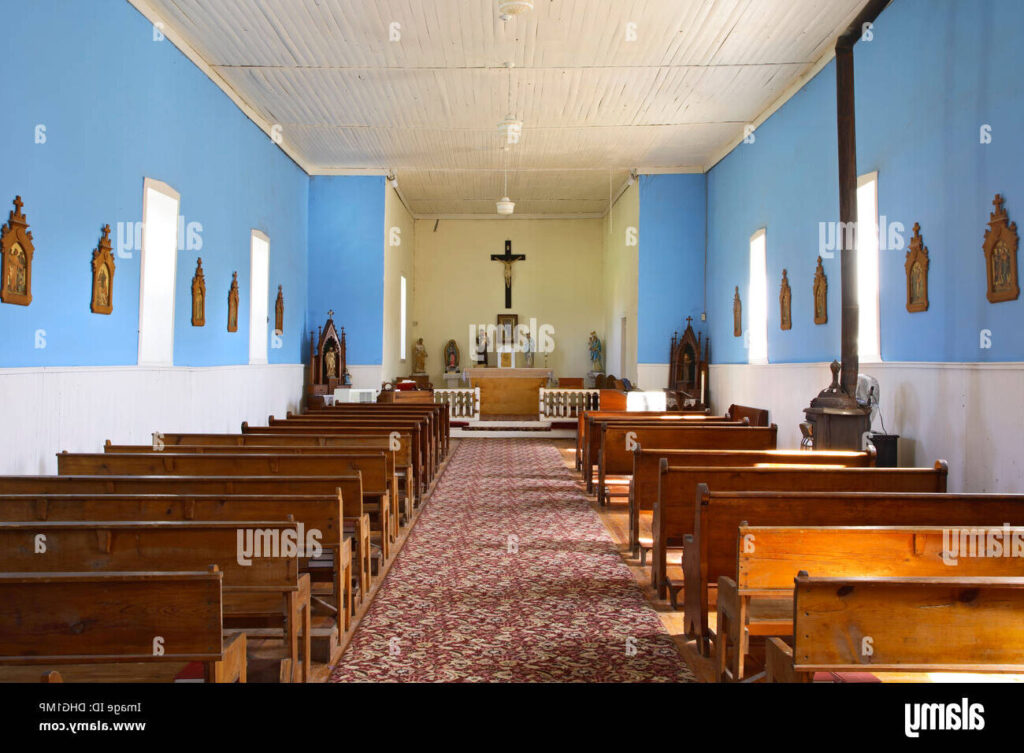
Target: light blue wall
point(346, 261)
point(119, 107)
point(934, 73)
point(671, 261)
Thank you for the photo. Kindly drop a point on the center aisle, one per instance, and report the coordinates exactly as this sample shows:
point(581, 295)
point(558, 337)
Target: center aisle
point(510, 576)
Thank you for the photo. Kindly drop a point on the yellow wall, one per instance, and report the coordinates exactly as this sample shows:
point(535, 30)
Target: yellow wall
point(560, 284)
point(620, 283)
point(398, 261)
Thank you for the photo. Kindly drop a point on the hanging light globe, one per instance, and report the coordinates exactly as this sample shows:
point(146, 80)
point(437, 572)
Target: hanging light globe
point(511, 129)
point(506, 206)
point(509, 8)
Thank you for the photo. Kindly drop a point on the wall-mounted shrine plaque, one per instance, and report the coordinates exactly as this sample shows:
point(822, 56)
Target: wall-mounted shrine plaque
point(1001, 255)
point(103, 276)
point(233, 304)
point(785, 303)
point(737, 314)
point(820, 295)
point(199, 296)
point(16, 250)
point(916, 266)
point(279, 312)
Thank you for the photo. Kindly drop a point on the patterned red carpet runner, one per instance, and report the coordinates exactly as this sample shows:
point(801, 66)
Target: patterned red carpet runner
point(510, 576)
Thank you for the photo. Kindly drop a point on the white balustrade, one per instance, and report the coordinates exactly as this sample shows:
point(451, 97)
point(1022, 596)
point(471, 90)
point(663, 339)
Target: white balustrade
point(463, 402)
point(567, 402)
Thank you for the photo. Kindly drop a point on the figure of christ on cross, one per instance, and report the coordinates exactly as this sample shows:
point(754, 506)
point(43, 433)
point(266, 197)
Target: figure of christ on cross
point(508, 259)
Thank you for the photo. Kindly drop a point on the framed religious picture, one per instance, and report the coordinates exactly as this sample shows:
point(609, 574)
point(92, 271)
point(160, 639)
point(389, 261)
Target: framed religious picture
point(1001, 255)
point(103, 276)
point(737, 314)
point(916, 267)
point(199, 295)
point(233, 304)
point(820, 295)
point(279, 312)
point(785, 303)
point(16, 250)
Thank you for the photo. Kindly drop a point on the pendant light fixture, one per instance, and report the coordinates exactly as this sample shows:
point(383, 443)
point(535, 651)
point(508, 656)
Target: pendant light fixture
point(511, 128)
point(506, 206)
point(509, 8)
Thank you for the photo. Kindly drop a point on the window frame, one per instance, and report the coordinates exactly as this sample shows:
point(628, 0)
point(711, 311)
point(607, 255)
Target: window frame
point(157, 186)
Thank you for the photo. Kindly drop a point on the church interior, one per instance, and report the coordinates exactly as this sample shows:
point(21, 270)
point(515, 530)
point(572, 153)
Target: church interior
point(512, 341)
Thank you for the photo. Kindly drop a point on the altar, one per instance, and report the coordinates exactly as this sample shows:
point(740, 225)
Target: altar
point(508, 392)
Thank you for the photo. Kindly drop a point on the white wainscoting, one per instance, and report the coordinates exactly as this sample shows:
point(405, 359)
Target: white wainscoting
point(46, 410)
point(366, 376)
point(970, 414)
point(652, 376)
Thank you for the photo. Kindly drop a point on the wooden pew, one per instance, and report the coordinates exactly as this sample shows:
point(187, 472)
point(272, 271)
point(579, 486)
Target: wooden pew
point(865, 497)
point(58, 622)
point(682, 490)
point(759, 599)
point(643, 486)
point(592, 442)
point(433, 441)
point(379, 481)
point(756, 416)
point(368, 445)
point(290, 426)
point(314, 513)
point(405, 454)
point(585, 418)
point(440, 411)
point(617, 441)
point(260, 588)
point(348, 487)
point(953, 625)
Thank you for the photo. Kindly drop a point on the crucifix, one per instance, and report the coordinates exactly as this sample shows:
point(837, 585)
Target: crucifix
point(508, 259)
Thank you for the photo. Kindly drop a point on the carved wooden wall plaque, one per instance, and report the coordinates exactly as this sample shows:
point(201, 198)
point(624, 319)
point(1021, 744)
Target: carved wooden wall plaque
point(737, 314)
point(785, 303)
point(279, 312)
point(199, 296)
point(916, 267)
point(16, 250)
point(1001, 255)
point(233, 304)
point(103, 276)
point(820, 295)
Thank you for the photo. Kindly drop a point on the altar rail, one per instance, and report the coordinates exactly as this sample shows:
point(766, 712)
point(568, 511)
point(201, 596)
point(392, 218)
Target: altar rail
point(463, 402)
point(567, 403)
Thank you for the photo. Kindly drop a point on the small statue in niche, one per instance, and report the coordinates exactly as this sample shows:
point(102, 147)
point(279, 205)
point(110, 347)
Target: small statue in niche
point(820, 295)
point(102, 275)
point(199, 296)
point(16, 251)
point(330, 361)
point(737, 314)
point(594, 346)
point(916, 266)
point(279, 313)
point(451, 357)
point(785, 303)
point(419, 358)
point(233, 304)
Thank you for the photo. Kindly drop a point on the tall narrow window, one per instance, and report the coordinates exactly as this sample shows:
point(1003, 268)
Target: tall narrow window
point(160, 205)
point(758, 299)
point(401, 314)
point(259, 289)
point(868, 342)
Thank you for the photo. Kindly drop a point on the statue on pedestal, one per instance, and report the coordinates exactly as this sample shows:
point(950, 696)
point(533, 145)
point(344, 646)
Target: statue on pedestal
point(529, 348)
point(419, 358)
point(594, 346)
point(451, 357)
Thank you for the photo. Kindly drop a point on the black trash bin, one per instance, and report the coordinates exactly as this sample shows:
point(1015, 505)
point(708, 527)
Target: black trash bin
point(886, 445)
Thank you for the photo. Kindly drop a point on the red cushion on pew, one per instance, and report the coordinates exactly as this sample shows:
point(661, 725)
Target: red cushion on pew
point(405, 386)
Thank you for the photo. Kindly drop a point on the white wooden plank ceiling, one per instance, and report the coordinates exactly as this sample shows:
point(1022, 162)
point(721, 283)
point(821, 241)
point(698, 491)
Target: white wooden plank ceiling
point(594, 104)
